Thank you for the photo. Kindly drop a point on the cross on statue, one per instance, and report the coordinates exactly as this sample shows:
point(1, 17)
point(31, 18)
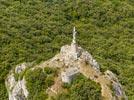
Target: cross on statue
point(74, 35)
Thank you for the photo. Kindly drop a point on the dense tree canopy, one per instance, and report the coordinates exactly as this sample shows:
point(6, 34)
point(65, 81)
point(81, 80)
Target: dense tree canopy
point(38, 81)
point(34, 30)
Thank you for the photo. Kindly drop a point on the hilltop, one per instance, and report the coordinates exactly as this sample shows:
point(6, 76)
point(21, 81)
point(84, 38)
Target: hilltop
point(33, 31)
point(71, 61)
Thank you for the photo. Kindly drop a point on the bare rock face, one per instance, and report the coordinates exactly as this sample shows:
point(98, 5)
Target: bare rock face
point(74, 53)
point(20, 68)
point(16, 89)
point(117, 88)
point(71, 56)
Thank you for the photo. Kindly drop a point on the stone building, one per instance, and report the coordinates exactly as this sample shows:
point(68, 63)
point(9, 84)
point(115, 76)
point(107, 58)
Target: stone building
point(69, 74)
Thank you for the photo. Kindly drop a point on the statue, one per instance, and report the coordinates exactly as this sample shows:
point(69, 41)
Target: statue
point(74, 36)
point(74, 47)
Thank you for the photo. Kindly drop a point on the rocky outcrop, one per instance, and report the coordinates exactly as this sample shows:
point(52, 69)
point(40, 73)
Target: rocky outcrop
point(17, 88)
point(68, 60)
point(116, 86)
point(20, 68)
point(68, 55)
point(71, 60)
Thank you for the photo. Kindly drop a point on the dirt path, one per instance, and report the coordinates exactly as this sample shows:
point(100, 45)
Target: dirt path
point(97, 76)
point(56, 88)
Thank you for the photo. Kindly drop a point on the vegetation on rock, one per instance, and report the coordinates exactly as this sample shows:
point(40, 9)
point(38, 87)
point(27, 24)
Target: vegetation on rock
point(38, 81)
point(34, 30)
point(81, 89)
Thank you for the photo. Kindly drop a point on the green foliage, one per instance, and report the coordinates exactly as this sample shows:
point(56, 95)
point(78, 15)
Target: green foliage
point(66, 85)
point(126, 76)
point(37, 83)
point(19, 76)
point(16, 76)
point(49, 81)
point(82, 89)
point(3, 92)
point(34, 30)
point(52, 71)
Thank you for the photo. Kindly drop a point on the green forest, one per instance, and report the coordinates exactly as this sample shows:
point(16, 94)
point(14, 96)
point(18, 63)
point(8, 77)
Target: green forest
point(34, 31)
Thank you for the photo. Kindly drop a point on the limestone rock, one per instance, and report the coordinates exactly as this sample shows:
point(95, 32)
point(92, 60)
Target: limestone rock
point(21, 67)
point(118, 90)
point(10, 81)
point(16, 89)
point(19, 91)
